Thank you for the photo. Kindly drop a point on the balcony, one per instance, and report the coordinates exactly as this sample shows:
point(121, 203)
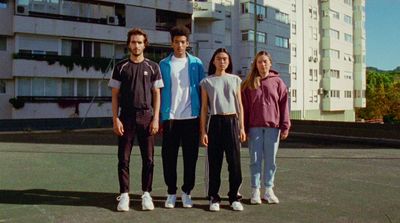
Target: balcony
point(209, 40)
point(61, 107)
point(59, 66)
point(336, 104)
point(360, 102)
point(208, 11)
point(54, 27)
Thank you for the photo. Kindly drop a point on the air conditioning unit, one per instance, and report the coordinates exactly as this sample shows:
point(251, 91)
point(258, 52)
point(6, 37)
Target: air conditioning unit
point(22, 10)
point(260, 17)
point(112, 20)
point(320, 91)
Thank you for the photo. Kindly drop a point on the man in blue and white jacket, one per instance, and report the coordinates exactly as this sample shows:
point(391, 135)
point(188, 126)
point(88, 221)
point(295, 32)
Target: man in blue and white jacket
point(180, 112)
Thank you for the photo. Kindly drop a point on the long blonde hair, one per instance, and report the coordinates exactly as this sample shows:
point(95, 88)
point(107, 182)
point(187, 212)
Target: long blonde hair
point(252, 80)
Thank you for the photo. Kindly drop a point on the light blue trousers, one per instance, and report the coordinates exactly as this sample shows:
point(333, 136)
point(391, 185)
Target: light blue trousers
point(263, 145)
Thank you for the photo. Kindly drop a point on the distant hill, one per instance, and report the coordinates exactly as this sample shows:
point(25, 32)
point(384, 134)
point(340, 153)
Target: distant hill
point(396, 70)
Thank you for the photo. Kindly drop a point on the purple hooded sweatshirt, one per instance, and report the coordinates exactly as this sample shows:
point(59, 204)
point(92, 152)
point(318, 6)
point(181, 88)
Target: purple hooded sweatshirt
point(267, 106)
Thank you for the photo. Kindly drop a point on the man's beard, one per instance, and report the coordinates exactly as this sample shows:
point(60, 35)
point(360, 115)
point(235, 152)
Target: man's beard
point(134, 54)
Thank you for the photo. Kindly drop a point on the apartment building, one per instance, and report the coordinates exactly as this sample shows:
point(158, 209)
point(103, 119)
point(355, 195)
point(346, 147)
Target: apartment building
point(318, 47)
point(235, 24)
point(56, 55)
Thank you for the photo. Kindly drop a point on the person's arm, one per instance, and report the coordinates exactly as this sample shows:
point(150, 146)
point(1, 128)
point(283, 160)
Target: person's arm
point(284, 112)
point(245, 104)
point(242, 134)
point(203, 116)
point(117, 124)
point(154, 125)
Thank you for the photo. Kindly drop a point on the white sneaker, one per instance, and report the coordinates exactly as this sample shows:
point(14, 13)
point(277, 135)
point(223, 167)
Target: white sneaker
point(123, 204)
point(170, 202)
point(237, 206)
point(187, 200)
point(270, 197)
point(214, 206)
point(147, 202)
point(255, 196)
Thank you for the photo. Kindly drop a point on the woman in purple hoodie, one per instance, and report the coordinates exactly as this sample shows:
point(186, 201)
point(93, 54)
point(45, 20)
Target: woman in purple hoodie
point(266, 119)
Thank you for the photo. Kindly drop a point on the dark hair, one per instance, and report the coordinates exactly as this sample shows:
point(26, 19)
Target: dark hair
point(136, 31)
point(179, 31)
point(211, 66)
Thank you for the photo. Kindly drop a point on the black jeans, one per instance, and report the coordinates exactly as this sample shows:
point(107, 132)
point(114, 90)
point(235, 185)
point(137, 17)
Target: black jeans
point(175, 133)
point(136, 123)
point(223, 136)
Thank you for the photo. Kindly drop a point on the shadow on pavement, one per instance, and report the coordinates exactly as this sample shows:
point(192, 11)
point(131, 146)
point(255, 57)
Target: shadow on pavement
point(79, 198)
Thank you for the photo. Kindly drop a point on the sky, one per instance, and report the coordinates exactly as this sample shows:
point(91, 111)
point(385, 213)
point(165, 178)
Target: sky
point(383, 33)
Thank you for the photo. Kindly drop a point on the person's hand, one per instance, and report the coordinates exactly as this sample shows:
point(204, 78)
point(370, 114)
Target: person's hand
point(118, 127)
point(242, 135)
point(204, 139)
point(154, 126)
point(284, 135)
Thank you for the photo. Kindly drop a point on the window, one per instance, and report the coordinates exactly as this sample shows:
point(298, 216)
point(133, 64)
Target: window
point(331, 73)
point(294, 50)
point(315, 74)
point(357, 94)
point(294, 95)
point(311, 75)
point(104, 89)
point(294, 72)
point(334, 54)
point(51, 87)
point(331, 13)
point(37, 86)
point(347, 94)
point(315, 93)
point(348, 2)
point(3, 4)
point(281, 42)
point(67, 87)
point(348, 75)
point(335, 73)
point(314, 32)
point(248, 8)
point(81, 87)
point(348, 38)
point(24, 86)
point(335, 94)
point(334, 33)
point(248, 35)
point(2, 86)
point(281, 17)
point(293, 7)
point(294, 27)
point(348, 19)
point(93, 87)
point(314, 13)
point(87, 49)
point(3, 43)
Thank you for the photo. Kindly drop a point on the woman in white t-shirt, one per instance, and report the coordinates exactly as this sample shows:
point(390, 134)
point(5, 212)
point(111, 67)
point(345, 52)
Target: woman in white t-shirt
point(220, 96)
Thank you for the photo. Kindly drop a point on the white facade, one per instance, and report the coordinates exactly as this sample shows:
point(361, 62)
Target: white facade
point(318, 47)
point(54, 54)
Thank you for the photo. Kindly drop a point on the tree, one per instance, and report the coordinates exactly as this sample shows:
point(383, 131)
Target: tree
point(383, 96)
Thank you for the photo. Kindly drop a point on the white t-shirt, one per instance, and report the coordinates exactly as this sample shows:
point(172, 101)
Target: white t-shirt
point(180, 94)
